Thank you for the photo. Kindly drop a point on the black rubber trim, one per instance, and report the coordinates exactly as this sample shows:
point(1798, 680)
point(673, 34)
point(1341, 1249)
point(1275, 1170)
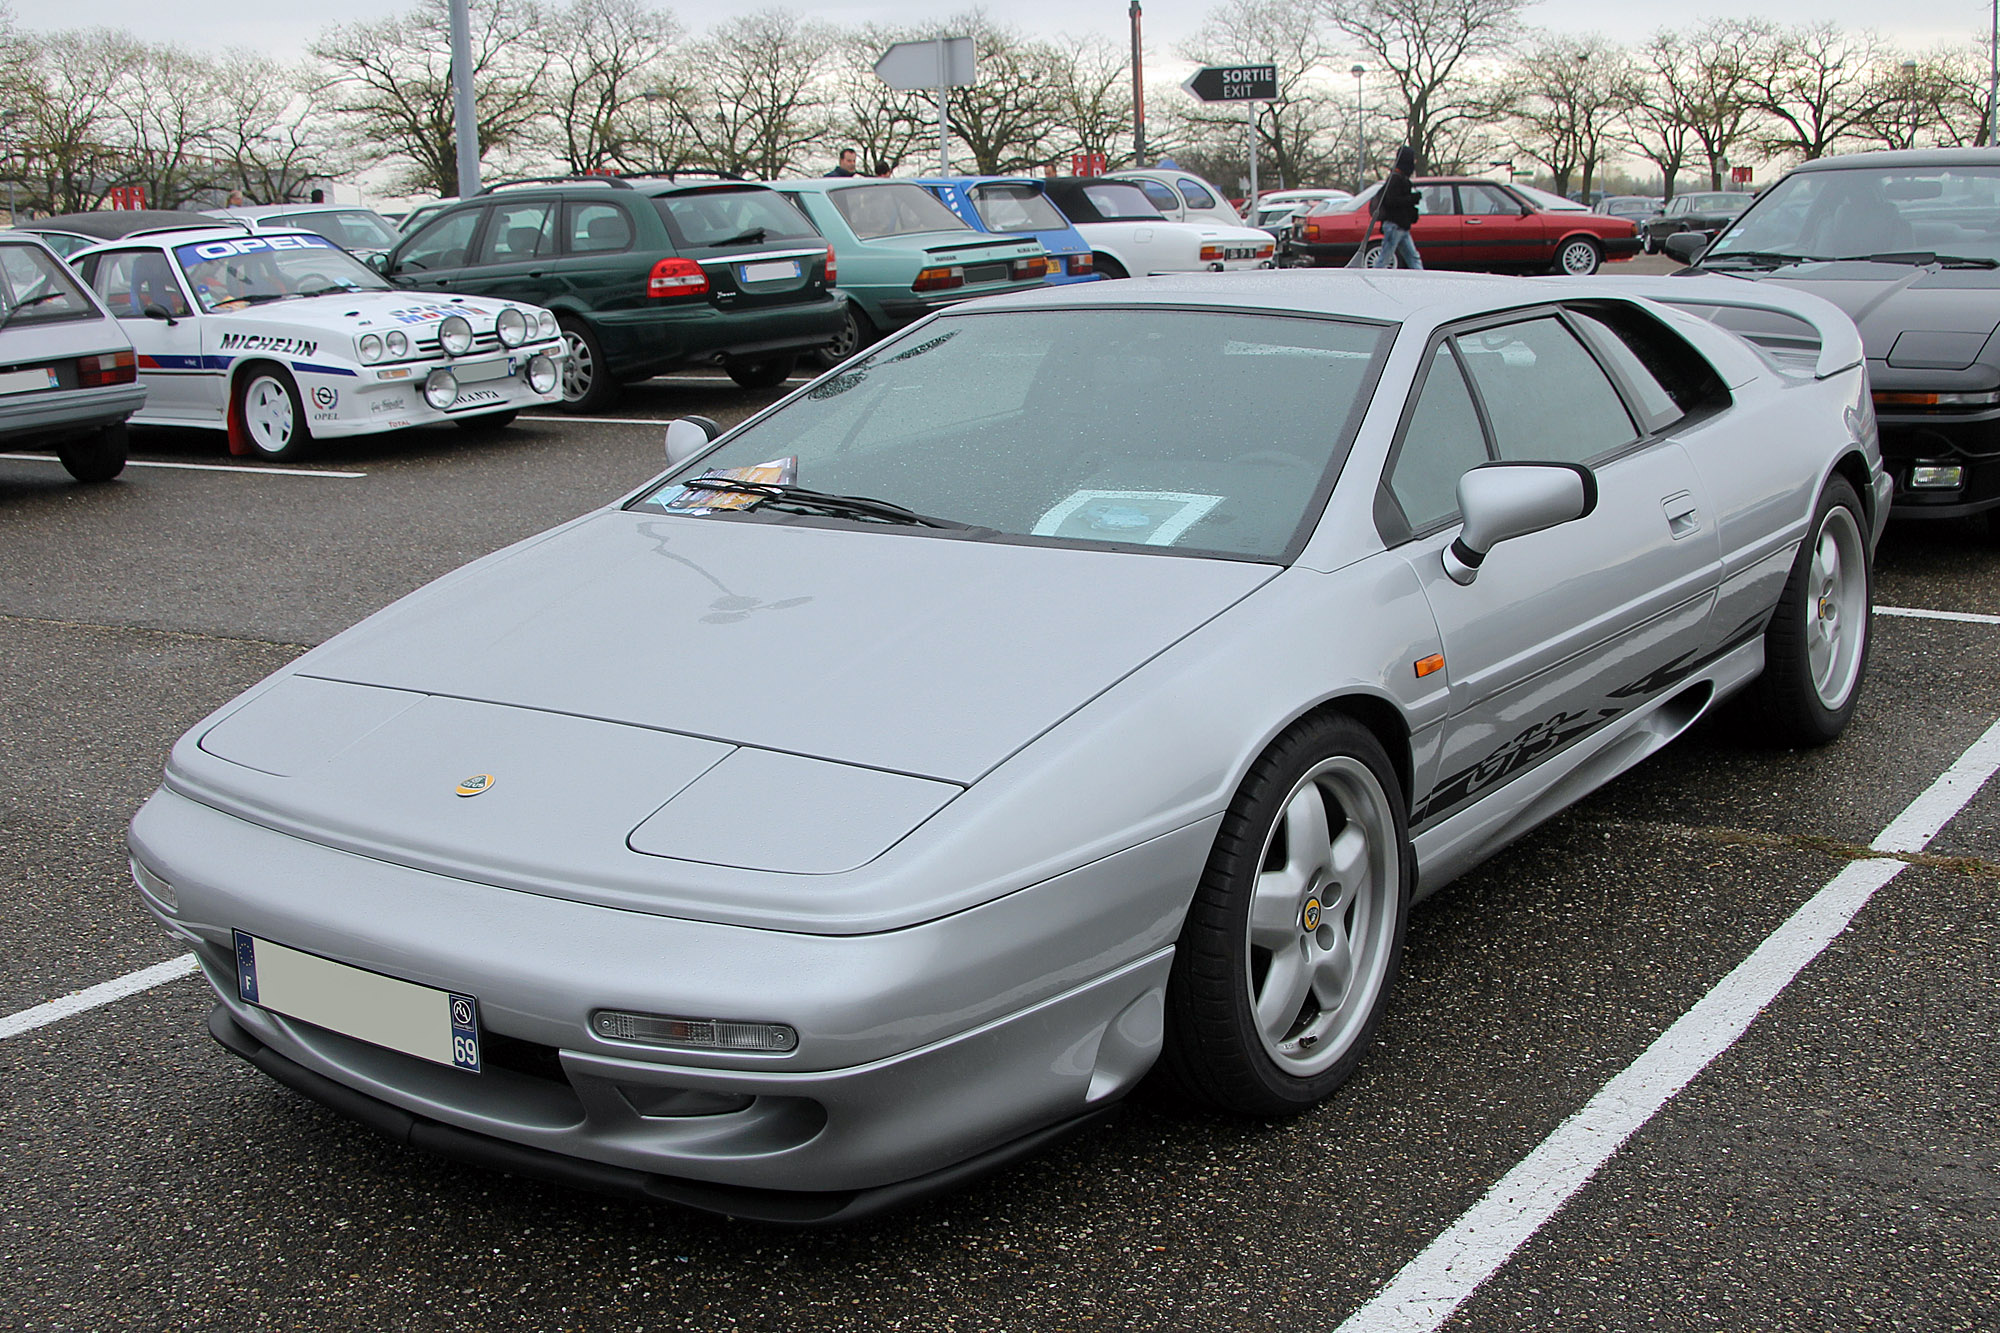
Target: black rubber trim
point(1465, 555)
point(795, 1208)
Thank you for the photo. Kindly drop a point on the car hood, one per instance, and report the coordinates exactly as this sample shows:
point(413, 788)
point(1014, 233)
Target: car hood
point(1908, 316)
point(934, 658)
point(415, 313)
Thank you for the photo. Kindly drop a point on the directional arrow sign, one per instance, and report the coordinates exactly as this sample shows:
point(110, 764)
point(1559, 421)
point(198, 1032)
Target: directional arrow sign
point(1234, 83)
point(944, 63)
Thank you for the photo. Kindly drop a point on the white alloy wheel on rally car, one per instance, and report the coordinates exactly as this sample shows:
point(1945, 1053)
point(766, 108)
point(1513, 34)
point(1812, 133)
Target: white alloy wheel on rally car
point(273, 420)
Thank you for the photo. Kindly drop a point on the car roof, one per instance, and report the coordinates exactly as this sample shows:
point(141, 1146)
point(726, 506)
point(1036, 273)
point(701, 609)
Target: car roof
point(1893, 158)
point(110, 224)
point(171, 236)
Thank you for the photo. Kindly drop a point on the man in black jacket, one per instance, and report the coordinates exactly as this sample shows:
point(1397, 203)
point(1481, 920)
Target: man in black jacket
point(1396, 206)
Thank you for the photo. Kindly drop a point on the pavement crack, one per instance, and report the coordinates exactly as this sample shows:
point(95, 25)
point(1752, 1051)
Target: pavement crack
point(188, 635)
point(1977, 867)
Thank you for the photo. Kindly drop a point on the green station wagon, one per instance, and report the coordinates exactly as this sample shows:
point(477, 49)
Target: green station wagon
point(902, 254)
point(645, 275)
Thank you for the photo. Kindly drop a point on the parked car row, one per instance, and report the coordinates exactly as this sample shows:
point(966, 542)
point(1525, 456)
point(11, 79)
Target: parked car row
point(1467, 222)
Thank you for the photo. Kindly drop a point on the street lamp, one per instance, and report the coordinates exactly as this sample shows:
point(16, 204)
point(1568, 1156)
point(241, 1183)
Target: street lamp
point(1361, 131)
point(1909, 103)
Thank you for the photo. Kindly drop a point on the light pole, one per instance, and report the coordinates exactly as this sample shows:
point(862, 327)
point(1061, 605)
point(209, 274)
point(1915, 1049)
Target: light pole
point(1993, 80)
point(1361, 130)
point(1909, 103)
point(1139, 90)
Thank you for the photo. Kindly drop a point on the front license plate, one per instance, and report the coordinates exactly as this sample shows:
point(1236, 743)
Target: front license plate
point(771, 272)
point(417, 1020)
point(27, 381)
point(472, 372)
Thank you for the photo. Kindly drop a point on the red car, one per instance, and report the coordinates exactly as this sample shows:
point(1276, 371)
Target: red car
point(1468, 223)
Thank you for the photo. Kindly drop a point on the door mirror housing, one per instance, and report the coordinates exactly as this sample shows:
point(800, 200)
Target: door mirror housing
point(1686, 246)
point(1501, 501)
point(687, 437)
point(155, 311)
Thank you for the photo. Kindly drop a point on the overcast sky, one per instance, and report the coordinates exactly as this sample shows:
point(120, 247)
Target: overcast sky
point(283, 27)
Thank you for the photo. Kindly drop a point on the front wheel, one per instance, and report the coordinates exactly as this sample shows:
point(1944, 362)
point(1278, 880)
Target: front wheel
point(855, 333)
point(763, 373)
point(1816, 646)
point(98, 456)
point(1578, 257)
point(1291, 944)
point(274, 421)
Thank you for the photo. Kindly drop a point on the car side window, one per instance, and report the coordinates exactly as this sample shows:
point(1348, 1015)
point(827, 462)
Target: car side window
point(128, 281)
point(1441, 443)
point(1546, 397)
point(1195, 195)
point(1162, 197)
point(517, 232)
point(1655, 403)
point(594, 228)
point(1435, 201)
point(1485, 201)
point(444, 243)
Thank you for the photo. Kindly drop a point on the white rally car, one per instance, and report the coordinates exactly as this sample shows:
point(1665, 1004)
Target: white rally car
point(282, 339)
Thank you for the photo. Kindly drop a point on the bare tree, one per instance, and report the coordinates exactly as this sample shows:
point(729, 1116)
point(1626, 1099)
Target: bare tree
point(1298, 134)
point(1567, 94)
point(64, 157)
point(879, 123)
point(603, 57)
point(1659, 114)
point(1717, 99)
point(1814, 85)
point(1937, 99)
point(1430, 50)
point(765, 99)
point(1008, 120)
point(1093, 100)
point(272, 136)
point(391, 82)
point(167, 113)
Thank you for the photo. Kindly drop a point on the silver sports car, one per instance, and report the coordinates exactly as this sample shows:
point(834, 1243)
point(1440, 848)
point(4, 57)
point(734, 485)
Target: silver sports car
point(893, 784)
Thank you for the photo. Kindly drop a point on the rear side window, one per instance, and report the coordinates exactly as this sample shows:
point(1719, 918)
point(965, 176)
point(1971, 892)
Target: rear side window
point(874, 211)
point(1016, 208)
point(518, 232)
point(1116, 201)
point(715, 219)
point(1159, 196)
point(595, 228)
point(1668, 378)
point(1196, 196)
point(1545, 395)
point(446, 242)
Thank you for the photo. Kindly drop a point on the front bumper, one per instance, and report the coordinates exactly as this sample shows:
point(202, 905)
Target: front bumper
point(1968, 440)
point(920, 1050)
point(390, 397)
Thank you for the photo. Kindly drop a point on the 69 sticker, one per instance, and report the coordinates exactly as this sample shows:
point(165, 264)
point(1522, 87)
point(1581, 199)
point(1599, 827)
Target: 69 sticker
point(465, 1032)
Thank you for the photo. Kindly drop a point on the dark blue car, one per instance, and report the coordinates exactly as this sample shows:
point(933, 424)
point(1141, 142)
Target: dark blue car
point(1017, 206)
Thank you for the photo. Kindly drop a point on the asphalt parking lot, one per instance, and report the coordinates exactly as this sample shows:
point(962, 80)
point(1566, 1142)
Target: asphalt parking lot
point(1834, 1168)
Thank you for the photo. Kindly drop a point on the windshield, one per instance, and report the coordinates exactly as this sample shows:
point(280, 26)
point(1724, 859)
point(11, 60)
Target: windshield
point(1854, 212)
point(229, 275)
point(1130, 428)
point(733, 215)
point(1016, 208)
point(35, 288)
point(350, 228)
point(893, 210)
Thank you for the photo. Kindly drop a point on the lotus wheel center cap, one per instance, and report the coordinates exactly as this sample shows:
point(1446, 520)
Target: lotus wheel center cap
point(475, 784)
point(1309, 918)
point(1826, 608)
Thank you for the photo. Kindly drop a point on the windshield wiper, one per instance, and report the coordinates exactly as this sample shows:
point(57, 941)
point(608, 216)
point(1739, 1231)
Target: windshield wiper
point(799, 499)
point(24, 303)
point(751, 237)
point(1760, 258)
point(1922, 257)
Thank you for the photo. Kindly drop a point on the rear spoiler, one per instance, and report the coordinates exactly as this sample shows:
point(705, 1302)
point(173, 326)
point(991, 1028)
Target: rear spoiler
point(1828, 341)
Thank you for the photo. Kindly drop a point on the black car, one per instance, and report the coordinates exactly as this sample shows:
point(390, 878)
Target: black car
point(645, 275)
point(1703, 214)
point(1908, 243)
point(68, 233)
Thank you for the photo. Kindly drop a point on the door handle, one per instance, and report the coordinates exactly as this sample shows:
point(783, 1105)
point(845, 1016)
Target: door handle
point(1472, 222)
point(1683, 516)
point(535, 274)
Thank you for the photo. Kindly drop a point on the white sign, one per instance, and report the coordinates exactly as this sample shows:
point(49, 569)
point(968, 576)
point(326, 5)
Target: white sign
point(944, 63)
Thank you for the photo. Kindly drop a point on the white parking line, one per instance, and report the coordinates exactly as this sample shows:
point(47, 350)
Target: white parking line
point(1913, 613)
point(607, 421)
point(13, 1025)
point(1423, 1295)
point(205, 467)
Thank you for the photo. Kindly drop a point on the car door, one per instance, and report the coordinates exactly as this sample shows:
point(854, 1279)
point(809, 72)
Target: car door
point(600, 267)
point(515, 257)
point(435, 258)
point(1438, 231)
point(181, 386)
point(1563, 630)
point(1495, 233)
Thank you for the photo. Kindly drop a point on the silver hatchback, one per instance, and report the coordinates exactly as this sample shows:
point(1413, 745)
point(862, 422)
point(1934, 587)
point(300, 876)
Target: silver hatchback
point(68, 376)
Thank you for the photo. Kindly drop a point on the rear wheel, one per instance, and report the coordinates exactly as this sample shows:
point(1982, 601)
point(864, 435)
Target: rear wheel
point(1107, 266)
point(98, 456)
point(274, 421)
point(763, 373)
point(1289, 949)
point(1578, 257)
point(587, 385)
point(855, 333)
point(1816, 646)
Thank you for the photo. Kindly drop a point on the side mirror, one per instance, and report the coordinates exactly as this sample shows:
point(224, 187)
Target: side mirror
point(1506, 500)
point(156, 311)
point(379, 261)
point(687, 437)
point(1686, 246)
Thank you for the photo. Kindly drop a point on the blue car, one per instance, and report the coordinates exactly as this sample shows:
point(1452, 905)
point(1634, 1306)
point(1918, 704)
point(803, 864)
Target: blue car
point(1018, 206)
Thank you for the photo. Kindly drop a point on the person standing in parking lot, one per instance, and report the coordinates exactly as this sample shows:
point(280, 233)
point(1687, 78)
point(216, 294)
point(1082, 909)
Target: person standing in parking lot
point(1396, 207)
point(848, 159)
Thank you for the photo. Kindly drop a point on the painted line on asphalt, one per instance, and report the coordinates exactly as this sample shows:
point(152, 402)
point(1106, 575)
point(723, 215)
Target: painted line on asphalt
point(606, 421)
point(1915, 613)
point(13, 1025)
point(205, 467)
point(1440, 1279)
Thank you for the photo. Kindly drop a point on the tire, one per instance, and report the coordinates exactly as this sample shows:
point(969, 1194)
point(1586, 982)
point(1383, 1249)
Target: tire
point(855, 333)
point(1108, 267)
point(274, 419)
point(1816, 646)
point(587, 385)
point(1578, 257)
point(1647, 245)
point(98, 456)
point(1312, 865)
point(1373, 254)
point(490, 423)
point(763, 373)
